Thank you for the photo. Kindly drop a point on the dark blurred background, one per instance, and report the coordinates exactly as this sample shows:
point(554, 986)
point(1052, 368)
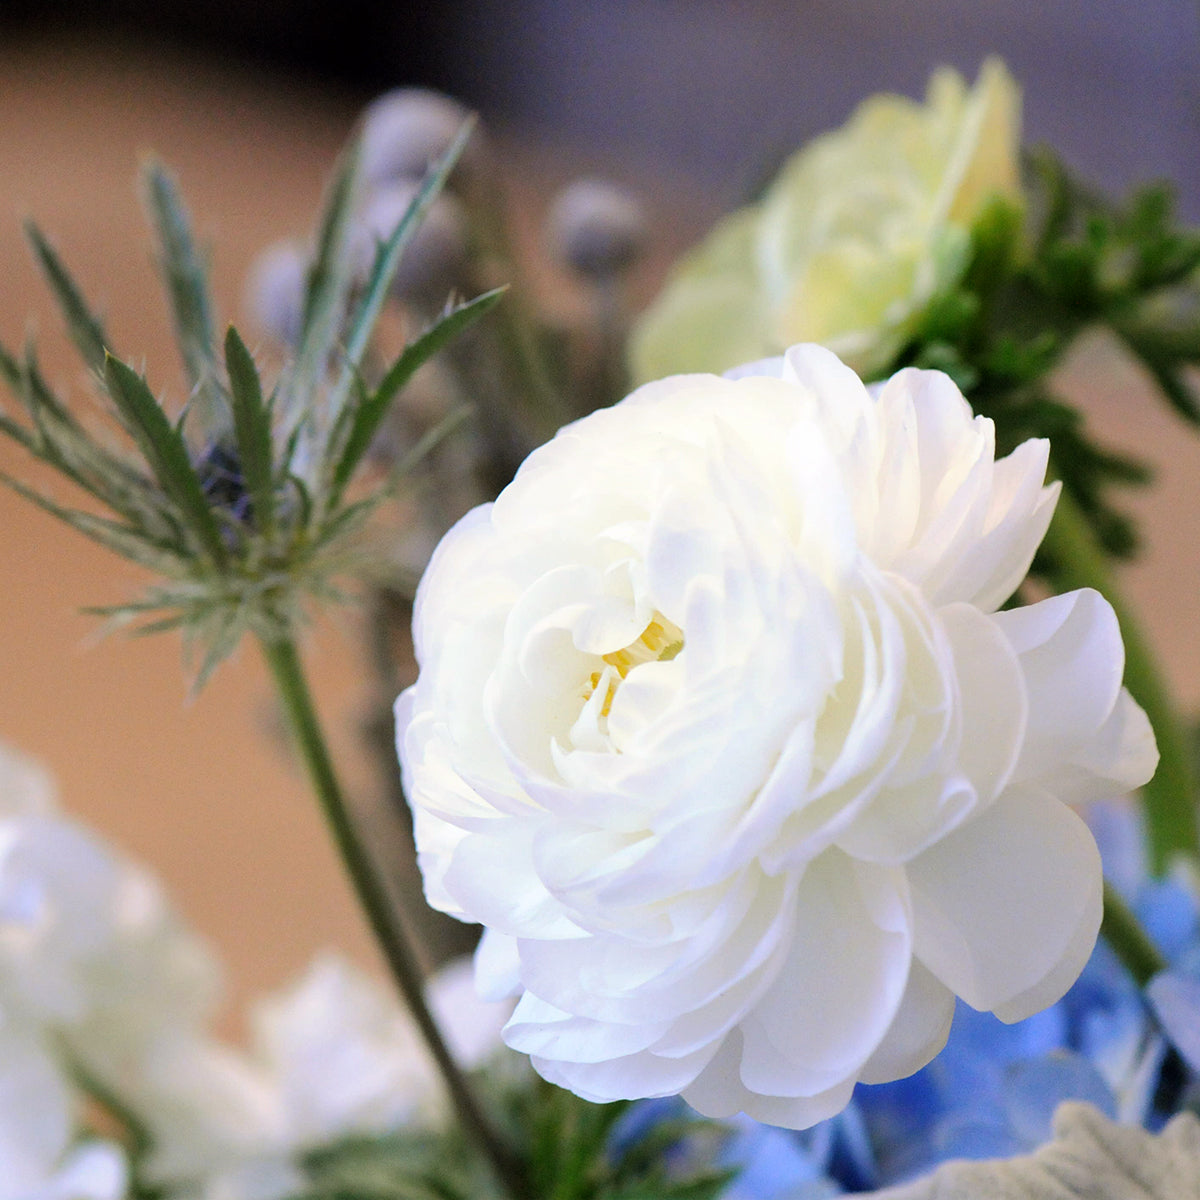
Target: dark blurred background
point(715, 90)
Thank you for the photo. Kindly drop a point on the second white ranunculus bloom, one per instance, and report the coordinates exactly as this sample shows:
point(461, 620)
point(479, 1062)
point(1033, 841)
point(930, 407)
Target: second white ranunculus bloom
point(720, 733)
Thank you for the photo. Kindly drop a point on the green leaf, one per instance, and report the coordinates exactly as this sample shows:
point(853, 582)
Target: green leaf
point(252, 428)
point(84, 327)
point(186, 281)
point(1180, 394)
point(995, 243)
point(220, 640)
point(368, 415)
point(59, 440)
point(165, 452)
point(325, 296)
point(387, 258)
point(18, 433)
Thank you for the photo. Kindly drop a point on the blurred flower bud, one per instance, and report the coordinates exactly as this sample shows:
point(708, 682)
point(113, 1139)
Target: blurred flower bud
point(403, 131)
point(597, 228)
point(275, 290)
point(433, 263)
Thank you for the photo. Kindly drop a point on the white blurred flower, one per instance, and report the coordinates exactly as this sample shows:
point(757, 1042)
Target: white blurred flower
point(275, 290)
point(97, 973)
point(88, 943)
point(859, 232)
point(346, 1058)
point(332, 1056)
point(719, 731)
point(26, 787)
point(215, 1120)
point(405, 130)
point(40, 1158)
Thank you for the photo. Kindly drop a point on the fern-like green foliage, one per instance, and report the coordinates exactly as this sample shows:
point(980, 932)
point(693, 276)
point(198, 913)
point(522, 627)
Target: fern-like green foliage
point(1075, 260)
point(239, 504)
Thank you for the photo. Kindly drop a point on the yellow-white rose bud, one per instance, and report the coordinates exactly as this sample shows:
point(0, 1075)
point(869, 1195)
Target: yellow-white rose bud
point(859, 232)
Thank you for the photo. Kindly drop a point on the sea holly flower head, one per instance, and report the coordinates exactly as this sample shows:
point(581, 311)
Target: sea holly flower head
point(241, 503)
point(858, 233)
point(722, 734)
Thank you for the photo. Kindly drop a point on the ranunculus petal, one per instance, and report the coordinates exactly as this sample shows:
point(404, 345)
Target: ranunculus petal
point(918, 1030)
point(837, 992)
point(1018, 915)
point(719, 1091)
point(628, 1077)
point(1085, 736)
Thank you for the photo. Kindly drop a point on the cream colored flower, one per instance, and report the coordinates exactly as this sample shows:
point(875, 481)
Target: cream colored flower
point(860, 231)
point(719, 731)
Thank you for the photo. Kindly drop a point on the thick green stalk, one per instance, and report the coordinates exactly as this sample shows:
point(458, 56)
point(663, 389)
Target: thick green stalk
point(1169, 799)
point(393, 940)
point(1125, 934)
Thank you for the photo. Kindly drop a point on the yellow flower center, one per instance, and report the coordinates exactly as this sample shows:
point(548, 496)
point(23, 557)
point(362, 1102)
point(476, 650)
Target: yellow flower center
point(660, 641)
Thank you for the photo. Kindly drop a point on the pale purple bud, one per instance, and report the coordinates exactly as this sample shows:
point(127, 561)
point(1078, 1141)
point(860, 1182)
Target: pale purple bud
point(434, 262)
point(404, 131)
point(597, 228)
point(275, 290)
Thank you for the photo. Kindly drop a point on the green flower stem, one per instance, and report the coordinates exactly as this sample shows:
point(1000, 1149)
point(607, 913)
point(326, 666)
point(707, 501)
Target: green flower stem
point(1126, 935)
point(535, 401)
point(289, 677)
point(1169, 799)
point(137, 1135)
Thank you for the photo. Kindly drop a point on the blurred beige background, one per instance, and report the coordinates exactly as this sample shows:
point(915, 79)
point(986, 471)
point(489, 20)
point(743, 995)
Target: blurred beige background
point(203, 789)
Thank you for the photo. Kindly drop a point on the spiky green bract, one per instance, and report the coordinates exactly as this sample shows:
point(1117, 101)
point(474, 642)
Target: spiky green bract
point(185, 280)
point(1075, 261)
point(240, 504)
point(570, 1149)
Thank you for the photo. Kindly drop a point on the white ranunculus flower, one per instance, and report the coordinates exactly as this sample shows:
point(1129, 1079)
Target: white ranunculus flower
point(719, 731)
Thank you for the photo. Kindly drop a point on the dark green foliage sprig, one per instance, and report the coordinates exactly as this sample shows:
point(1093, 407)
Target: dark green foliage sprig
point(572, 1150)
point(240, 502)
point(1073, 260)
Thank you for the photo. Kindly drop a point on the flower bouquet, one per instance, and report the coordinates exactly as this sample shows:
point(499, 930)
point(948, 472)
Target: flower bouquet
point(828, 823)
